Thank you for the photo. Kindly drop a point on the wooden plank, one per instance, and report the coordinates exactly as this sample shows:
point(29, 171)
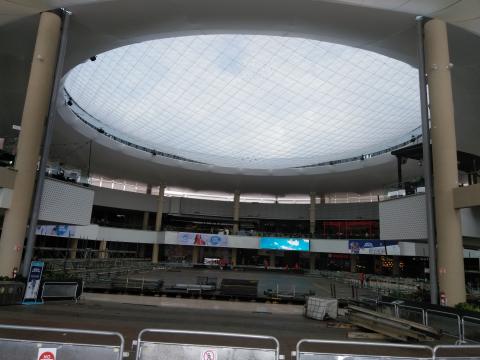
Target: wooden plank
point(394, 327)
point(366, 335)
point(369, 325)
point(388, 328)
point(412, 324)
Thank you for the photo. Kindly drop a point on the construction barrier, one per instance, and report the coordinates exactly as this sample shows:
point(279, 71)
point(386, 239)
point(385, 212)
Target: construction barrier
point(456, 352)
point(350, 349)
point(61, 290)
point(20, 349)
point(449, 323)
point(11, 292)
point(160, 350)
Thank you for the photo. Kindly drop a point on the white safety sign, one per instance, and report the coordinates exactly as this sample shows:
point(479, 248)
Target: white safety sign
point(47, 354)
point(209, 355)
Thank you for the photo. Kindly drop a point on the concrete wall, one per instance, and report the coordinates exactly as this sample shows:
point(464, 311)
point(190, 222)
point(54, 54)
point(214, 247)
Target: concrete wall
point(471, 222)
point(403, 219)
point(66, 203)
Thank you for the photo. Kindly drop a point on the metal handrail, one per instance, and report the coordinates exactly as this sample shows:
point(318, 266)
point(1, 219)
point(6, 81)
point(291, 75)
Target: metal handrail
point(456, 348)
point(422, 310)
point(358, 343)
point(67, 330)
point(464, 338)
point(451, 315)
point(208, 333)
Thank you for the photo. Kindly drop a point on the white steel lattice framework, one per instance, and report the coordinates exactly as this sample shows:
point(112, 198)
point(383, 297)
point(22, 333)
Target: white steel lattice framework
point(249, 101)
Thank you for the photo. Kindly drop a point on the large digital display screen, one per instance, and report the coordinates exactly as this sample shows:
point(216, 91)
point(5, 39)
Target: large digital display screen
point(275, 243)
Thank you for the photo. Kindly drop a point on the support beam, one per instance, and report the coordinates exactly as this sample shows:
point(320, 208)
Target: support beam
point(146, 214)
point(313, 206)
point(271, 262)
point(195, 255)
point(35, 112)
point(158, 221)
point(73, 248)
point(396, 266)
point(322, 198)
point(313, 260)
point(451, 272)
point(399, 171)
point(353, 263)
point(427, 162)
point(236, 212)
point(103, 250)
point(234, 257)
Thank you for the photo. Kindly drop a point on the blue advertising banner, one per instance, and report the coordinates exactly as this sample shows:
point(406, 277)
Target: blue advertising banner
point(274, 243)
point(374, 247)
point(56, 230)
point(197, 239)
point(33, 283)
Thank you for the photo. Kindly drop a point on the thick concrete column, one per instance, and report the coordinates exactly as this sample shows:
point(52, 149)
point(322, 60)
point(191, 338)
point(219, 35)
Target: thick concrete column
point(353, 263)
point(451, 274)
point(196, 252)
point(272, 260)
point(73, 249)
point(313, 204)
point(158, 221)
point(35, 112)
point(146, 217)
point(236, 211)
point(102, 250)
point(313, 258)
point(234, 257)
point(396, 266)
point(146, 214)
point(322, 198)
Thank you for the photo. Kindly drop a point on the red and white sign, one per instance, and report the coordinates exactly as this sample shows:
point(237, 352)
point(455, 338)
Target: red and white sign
point(209, 355)
point(47, 354)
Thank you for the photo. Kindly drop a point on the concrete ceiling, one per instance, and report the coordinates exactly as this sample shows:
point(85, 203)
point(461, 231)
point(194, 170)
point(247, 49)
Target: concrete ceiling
point(98, 26)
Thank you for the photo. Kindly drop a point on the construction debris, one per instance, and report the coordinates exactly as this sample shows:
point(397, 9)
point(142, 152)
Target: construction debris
point(392, 327)
point(318, 308)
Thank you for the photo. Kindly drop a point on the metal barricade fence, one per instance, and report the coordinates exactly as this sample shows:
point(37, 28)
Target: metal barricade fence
point(470, 329)
point(158, 350)
point(60, 289)
point(19, 349)
point(449, 323)
point(456, 352)
point(380, 350)
point(411, 313)
point(387, 308)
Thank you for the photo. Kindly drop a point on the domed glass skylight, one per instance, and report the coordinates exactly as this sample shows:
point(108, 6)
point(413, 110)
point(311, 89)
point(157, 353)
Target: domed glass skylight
point(248, 101)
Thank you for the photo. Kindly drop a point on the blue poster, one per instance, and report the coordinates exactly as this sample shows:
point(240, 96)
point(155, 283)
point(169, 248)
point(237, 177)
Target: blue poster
point(275, 243)
point(198, 239)
point(33, 283)
point(374, 247)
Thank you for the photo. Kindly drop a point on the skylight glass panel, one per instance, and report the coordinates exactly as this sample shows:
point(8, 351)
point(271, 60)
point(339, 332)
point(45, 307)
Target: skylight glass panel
point(249, 101)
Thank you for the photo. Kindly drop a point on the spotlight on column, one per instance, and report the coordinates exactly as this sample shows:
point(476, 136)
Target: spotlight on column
point(69, 102)
point(93, 58)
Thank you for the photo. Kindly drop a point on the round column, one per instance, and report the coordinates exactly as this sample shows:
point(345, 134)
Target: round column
point(236, 212)
point(35, 112)
point(313, 204)
point(158, 221)
point(451, 275)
